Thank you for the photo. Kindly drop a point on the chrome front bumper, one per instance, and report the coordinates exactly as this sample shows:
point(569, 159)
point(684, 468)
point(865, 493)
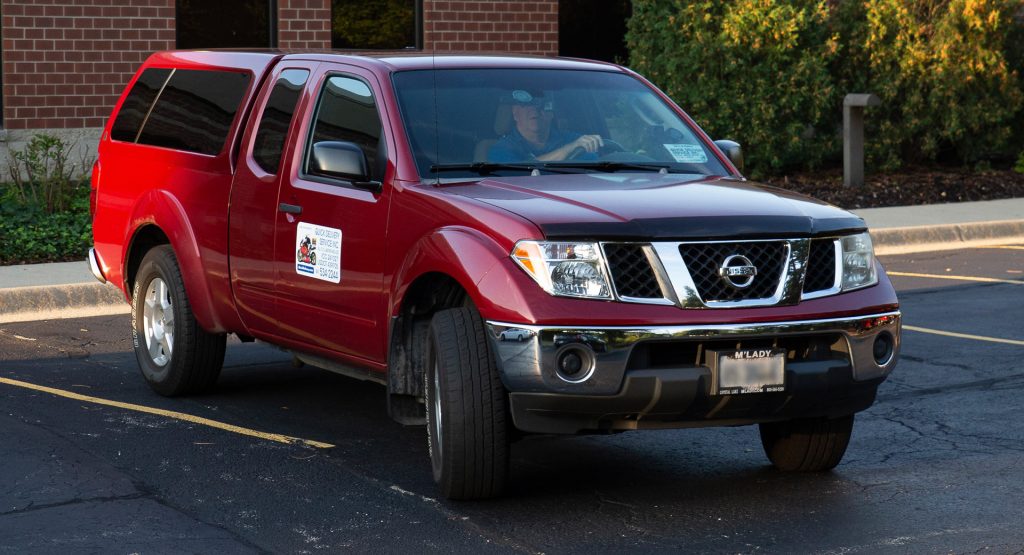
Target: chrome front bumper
point(527, 355)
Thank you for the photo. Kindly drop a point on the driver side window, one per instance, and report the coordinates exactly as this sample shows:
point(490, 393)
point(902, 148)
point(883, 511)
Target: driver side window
point(347, 112)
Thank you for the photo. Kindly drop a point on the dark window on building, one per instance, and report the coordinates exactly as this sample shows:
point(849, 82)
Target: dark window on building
point(594, 29)
point(136, 105)
point(347, 113)
point(226, 23)
point(376, 24)
point(277, 117)
point(195, 110)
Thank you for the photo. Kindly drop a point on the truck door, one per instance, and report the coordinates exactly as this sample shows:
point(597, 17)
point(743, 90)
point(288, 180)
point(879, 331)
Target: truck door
point(330, 233)
point(253, 209)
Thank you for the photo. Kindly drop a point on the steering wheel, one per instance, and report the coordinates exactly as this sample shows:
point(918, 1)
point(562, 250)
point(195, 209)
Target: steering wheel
point(576, 153)
point(644, 112)
point(609, 147)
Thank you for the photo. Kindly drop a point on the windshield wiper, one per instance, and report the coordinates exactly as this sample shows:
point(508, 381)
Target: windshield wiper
point(487, 168)
point(608, 166)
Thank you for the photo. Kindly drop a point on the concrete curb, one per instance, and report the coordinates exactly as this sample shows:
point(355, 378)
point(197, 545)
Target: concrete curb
point(50, 302)
point(925, 238)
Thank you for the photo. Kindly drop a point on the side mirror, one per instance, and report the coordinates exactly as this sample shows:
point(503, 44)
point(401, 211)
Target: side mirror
point(342, 160)
point(733, 150)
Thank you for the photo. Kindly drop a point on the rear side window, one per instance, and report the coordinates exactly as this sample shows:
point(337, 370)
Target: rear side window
point(277, 117)
point(347, 112)
point(195, 110)
point(136, 104)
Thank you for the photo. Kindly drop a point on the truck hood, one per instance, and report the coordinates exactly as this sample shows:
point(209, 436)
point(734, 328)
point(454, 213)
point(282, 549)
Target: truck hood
point(658, 207)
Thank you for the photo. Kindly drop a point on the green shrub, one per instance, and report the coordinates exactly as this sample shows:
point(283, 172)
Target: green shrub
point(1015, 60)
point(29, 235)
point(772, 74)
point(751, 70)
point(1019, 168)
point(44, 211)
point(939, 67)
point(43, 174)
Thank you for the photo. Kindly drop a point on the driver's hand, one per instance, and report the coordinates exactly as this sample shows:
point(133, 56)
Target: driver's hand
point(589, 143)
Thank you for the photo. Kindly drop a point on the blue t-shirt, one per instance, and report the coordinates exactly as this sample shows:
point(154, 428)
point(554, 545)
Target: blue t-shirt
point(513, 147)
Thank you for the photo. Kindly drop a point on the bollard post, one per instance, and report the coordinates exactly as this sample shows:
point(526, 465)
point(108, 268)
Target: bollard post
point(853, 137)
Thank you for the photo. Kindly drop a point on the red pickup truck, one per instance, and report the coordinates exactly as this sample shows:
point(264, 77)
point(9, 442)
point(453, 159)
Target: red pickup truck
point(509, 245)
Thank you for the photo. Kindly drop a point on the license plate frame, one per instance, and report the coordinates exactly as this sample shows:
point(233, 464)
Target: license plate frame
point(747, 371)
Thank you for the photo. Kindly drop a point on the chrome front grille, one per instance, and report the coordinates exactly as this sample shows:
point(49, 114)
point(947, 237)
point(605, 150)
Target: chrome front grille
point(703, 260)
point(821, 273)
point(631, 271)
point(690, 275)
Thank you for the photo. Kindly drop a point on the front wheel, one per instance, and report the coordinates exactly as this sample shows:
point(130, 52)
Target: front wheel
point(807, 445)
point(466, 408)
point(176, 356)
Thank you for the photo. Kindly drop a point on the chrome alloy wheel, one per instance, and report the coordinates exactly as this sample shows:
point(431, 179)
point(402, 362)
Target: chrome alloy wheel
point(158, 322)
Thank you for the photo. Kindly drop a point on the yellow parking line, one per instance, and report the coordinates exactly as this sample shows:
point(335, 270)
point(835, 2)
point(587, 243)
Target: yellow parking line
point(957, 278)
point(169, 414)
point(964, 335)
point(1011, 247)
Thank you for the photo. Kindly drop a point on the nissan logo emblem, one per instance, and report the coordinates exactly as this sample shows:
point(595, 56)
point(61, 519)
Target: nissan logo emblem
point(738, 271)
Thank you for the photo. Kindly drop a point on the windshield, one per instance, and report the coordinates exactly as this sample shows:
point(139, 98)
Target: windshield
point(472, 122)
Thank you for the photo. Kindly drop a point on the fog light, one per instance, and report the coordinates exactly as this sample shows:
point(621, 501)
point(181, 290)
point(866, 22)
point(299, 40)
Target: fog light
point(574, 363)
point(882, 349)
point(570, 364)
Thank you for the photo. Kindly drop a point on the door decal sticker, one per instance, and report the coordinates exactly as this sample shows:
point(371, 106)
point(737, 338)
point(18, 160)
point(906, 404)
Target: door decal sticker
point(318, 252)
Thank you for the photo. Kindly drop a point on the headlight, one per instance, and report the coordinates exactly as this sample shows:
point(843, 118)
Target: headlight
point(858, 262)
point(566, 269)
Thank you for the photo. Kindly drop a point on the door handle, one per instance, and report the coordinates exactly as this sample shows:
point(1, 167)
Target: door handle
point(289, 208)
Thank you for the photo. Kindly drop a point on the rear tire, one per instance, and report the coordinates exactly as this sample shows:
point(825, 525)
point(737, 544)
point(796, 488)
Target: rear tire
point(466, 408)
point(807, 445)
point(176, 356)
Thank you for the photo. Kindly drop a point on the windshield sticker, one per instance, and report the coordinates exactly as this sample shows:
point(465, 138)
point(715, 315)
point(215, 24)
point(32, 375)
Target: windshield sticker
point(687, 154)
point(318, 252)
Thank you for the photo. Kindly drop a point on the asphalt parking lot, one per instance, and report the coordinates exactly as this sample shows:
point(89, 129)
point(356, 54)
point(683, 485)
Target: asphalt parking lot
point(283, 459)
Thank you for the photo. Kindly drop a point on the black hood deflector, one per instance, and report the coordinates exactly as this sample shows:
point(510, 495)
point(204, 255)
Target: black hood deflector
point(706, 228)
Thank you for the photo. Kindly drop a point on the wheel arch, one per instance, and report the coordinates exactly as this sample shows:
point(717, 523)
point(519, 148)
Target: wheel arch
point(442, 270)
point(428, 294)
point(454, 266)
point(146, 237)
point(461, 254)
point(158, 219)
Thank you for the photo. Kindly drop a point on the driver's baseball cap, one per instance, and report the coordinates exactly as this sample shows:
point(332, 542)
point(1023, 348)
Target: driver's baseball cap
point(521, 97)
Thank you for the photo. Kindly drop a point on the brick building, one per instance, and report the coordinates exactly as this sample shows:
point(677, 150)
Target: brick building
point(66, 61)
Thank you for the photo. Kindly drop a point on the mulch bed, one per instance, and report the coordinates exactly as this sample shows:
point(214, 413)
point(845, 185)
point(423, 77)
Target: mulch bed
point(908, 187)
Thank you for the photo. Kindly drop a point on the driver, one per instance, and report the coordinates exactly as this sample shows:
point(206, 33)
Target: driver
point(533, 137)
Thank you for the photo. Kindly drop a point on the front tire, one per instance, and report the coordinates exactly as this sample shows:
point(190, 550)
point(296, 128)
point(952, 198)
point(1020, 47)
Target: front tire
point(176, 356)
point(466, 408)
point(807, 445)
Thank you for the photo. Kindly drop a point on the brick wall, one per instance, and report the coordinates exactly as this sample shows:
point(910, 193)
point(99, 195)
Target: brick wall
point(491, 26)
point(66, 62)
point(304, 24)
